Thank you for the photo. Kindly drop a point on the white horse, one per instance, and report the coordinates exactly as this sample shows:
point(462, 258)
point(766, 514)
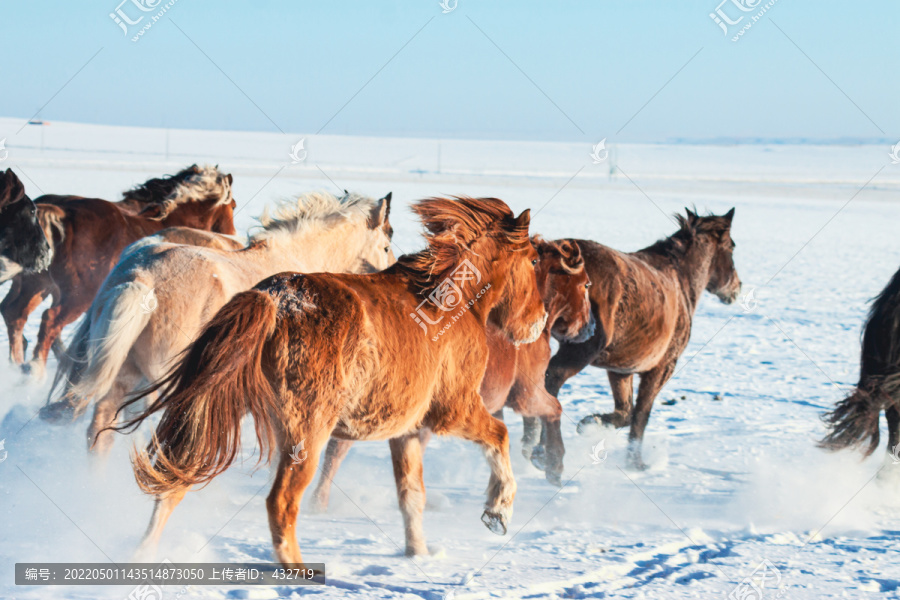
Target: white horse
point(158, 297)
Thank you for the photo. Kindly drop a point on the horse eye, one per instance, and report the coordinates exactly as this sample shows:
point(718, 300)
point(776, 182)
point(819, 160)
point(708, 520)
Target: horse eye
point(387, 249)
point(534, 262)
point(587, 285)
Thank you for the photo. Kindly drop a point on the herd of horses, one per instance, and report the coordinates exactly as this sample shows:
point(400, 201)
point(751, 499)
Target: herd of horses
point(313, 327)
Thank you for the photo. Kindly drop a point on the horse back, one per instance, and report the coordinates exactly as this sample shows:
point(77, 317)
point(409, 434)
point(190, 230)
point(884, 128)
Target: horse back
point(637, 304)
point(338, 348)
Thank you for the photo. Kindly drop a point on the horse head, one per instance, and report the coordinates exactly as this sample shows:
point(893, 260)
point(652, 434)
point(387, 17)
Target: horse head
point(564, 284)
point(23, 245)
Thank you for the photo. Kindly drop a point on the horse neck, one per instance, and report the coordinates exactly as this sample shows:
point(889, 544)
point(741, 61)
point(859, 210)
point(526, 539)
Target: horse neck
point(311, 249)
point(693, 272)
point(188, 215)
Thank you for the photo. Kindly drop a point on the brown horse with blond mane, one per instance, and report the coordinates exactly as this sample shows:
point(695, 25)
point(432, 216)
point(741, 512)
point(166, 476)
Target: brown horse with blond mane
point(88, 234)
point(644, 304)
point(315, 356)
point(515, 373)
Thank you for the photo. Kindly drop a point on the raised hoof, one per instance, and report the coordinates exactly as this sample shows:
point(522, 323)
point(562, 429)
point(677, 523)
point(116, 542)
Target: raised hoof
point(616, 419)
point(539, 458)
point(496, 522)
point(588, 423)
point(58, 413)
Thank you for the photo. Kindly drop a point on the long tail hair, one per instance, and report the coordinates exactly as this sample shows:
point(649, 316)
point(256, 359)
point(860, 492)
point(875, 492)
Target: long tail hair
point(217, 381)
point(854, 420)
point(98, 351)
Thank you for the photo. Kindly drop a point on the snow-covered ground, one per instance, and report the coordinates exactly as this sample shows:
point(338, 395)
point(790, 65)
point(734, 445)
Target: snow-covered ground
point(735, 478)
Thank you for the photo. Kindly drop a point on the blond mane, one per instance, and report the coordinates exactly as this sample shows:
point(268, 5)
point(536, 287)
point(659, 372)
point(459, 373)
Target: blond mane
point(320, 209)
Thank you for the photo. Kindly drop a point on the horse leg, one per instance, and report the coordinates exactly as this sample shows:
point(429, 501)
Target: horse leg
point(622, 386)
point(99, 438)
point(651, 382)
point(568, 362)
point(162, 510)
point(893, 420)
point(480, 427)
point(25, 295)
point(63, 311)
point(406, 455)
point(335, 454)
point(283, 502)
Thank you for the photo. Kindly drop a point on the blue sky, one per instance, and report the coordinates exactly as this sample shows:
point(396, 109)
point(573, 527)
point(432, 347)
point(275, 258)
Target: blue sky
point(496, 70)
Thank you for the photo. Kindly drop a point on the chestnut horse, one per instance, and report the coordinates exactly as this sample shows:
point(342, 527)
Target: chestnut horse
point(318, 355)
point(88, 234)
point(118, 346)
point(515, 374)
point(23, 245)
point(854, 421)
point(644, 305)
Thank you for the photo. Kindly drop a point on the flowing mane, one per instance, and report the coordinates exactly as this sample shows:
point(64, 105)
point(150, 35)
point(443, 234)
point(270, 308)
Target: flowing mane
point(689, 227)
point(571, 261)
point(192, 184)
point(321, 209)
point(452, 225)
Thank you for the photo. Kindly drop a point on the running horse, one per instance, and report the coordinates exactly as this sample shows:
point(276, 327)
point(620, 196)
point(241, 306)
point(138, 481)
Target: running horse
point(314, 356)
point(88, 234)
point(854, 421)
point(118, 346)
point(23, 245)
point(515, 374)
point(644, 305)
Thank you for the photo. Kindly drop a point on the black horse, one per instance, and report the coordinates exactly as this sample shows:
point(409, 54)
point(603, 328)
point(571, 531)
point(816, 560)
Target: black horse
point(23, 245)
point(854, 420)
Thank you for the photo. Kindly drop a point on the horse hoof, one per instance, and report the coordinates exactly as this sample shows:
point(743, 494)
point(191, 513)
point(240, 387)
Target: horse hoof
point(58, 413)
point(496, 522)
point(317, 507)
point(616, 419)
point(539, 458)
point(35, 370)
point(588, 423)
point(636, 464)
point(554, 478)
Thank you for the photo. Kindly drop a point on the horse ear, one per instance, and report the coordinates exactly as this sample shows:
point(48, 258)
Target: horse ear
point(156, 211)
point(729, 216)
point(524, 219)
point(692, 217)
point(379, 215)
point(230, 178)
point(11, 188)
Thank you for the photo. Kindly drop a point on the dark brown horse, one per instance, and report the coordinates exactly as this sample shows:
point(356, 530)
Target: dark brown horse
point(88, 234)
point(321, 355)
point(644, 305)
point(515, 374)
point(23, 245)
point(854, 421)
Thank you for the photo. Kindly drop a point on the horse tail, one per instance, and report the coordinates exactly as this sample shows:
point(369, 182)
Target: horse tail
point(855, 418)
point(100, 347)
point(217, 381)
